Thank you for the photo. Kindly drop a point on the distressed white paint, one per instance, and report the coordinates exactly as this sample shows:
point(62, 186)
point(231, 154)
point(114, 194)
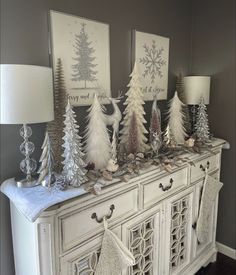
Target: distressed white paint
point(65, 239)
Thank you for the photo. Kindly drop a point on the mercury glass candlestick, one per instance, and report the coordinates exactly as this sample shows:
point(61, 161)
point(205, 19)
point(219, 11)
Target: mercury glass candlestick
point(28, 165)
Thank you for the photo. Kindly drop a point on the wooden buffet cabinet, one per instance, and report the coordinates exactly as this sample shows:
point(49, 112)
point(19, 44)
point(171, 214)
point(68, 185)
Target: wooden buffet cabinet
point(153, 215)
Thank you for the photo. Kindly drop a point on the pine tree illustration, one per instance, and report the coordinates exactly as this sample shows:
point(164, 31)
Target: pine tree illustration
point(73, 168)
point(176, 119)
point(47, 162)
point(202, 126)
point(55, 127)
point(84, 66)
point(98, 146)
point(180, 91)
point(134, 104)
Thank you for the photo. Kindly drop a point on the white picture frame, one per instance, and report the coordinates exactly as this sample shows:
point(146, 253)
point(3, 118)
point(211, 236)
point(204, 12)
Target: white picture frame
point(83, 46)
point(151, 53)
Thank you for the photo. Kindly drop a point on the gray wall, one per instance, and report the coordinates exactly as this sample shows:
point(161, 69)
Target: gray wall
point(24, 40)
point(213, 53)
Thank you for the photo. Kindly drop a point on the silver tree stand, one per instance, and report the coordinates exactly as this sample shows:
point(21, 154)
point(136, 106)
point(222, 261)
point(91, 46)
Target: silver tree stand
point(28, 165)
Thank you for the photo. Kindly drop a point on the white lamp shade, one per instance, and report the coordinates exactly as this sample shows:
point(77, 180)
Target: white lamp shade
point(196, 87)
point(26, 94)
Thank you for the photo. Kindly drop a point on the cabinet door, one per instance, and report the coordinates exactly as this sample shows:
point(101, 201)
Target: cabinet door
point(142, 236)
point(178, 231)
point(83, 260)
point(200, 247)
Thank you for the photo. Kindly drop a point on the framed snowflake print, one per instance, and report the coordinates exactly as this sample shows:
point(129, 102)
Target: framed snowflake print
point(151, 53)
point(83, 47)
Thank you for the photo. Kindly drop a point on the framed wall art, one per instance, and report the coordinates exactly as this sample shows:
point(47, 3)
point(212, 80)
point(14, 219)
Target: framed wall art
point(151, 53)
point(83, 46)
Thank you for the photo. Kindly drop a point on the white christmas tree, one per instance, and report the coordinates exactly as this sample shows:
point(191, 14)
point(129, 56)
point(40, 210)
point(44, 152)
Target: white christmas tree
point(46, 169)
point(98, 146)
point(176, 119)
point(134, 109)
point(202, 126)
point(73, 164)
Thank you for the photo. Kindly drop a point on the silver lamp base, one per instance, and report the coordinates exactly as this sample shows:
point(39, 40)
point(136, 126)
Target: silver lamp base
point(25, 183)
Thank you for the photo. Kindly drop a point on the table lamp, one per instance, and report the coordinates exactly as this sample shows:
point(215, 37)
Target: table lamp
point(195, 89)
point(26, 97)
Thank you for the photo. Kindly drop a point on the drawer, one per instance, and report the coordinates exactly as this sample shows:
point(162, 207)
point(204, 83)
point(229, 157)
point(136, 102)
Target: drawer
point(197, 171)
point(157, 189)
point(79, 226)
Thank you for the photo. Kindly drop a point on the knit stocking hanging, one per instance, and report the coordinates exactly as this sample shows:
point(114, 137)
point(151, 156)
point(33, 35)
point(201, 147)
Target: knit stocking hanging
point(114, 255)
point(211, 188)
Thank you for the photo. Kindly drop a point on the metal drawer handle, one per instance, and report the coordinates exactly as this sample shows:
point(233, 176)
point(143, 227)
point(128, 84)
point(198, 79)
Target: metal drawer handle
point(204, 168)
point(94, 215)
point(165, 188)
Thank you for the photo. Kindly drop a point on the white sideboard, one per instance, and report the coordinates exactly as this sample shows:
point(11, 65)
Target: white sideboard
point(154, 215)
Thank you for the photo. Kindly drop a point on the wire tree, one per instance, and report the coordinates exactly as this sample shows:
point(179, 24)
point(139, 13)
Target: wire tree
point(55, 127)
point(134, 109)
point(98, 146)
point(47, 163)
point(73, 168)
point(202, 125)
point(176, 119)
point(84, 67)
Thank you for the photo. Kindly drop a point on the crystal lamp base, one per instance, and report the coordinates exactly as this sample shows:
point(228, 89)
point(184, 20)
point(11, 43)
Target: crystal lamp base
point(25, 183)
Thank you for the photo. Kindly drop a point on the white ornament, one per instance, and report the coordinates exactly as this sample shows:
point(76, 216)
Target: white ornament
point(176, 119)
point(73, 164)
point(98, 146)
point(190, 142)
point(112, 166)
point(46, 159)
point(134, 108)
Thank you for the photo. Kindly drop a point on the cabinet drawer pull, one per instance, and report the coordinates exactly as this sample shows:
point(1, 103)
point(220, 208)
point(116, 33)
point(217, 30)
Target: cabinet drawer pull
point(165, 188)
point(204, 168)
point(94, 215)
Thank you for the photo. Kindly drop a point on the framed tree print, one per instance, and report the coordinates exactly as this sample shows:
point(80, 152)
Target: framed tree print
point(151, 53)
point(84, 49)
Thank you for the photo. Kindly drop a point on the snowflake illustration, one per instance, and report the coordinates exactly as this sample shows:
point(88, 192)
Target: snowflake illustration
point(153, 61)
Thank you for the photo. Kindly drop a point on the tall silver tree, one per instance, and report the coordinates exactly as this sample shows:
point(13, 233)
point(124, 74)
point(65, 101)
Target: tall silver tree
point(73, 164)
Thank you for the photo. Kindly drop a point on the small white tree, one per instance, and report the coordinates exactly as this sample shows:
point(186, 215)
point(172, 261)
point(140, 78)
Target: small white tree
point(176, 119)
point(134, 108)
point(202, 126)
point(98, 146)
point(46, 169)
point(73, 164)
